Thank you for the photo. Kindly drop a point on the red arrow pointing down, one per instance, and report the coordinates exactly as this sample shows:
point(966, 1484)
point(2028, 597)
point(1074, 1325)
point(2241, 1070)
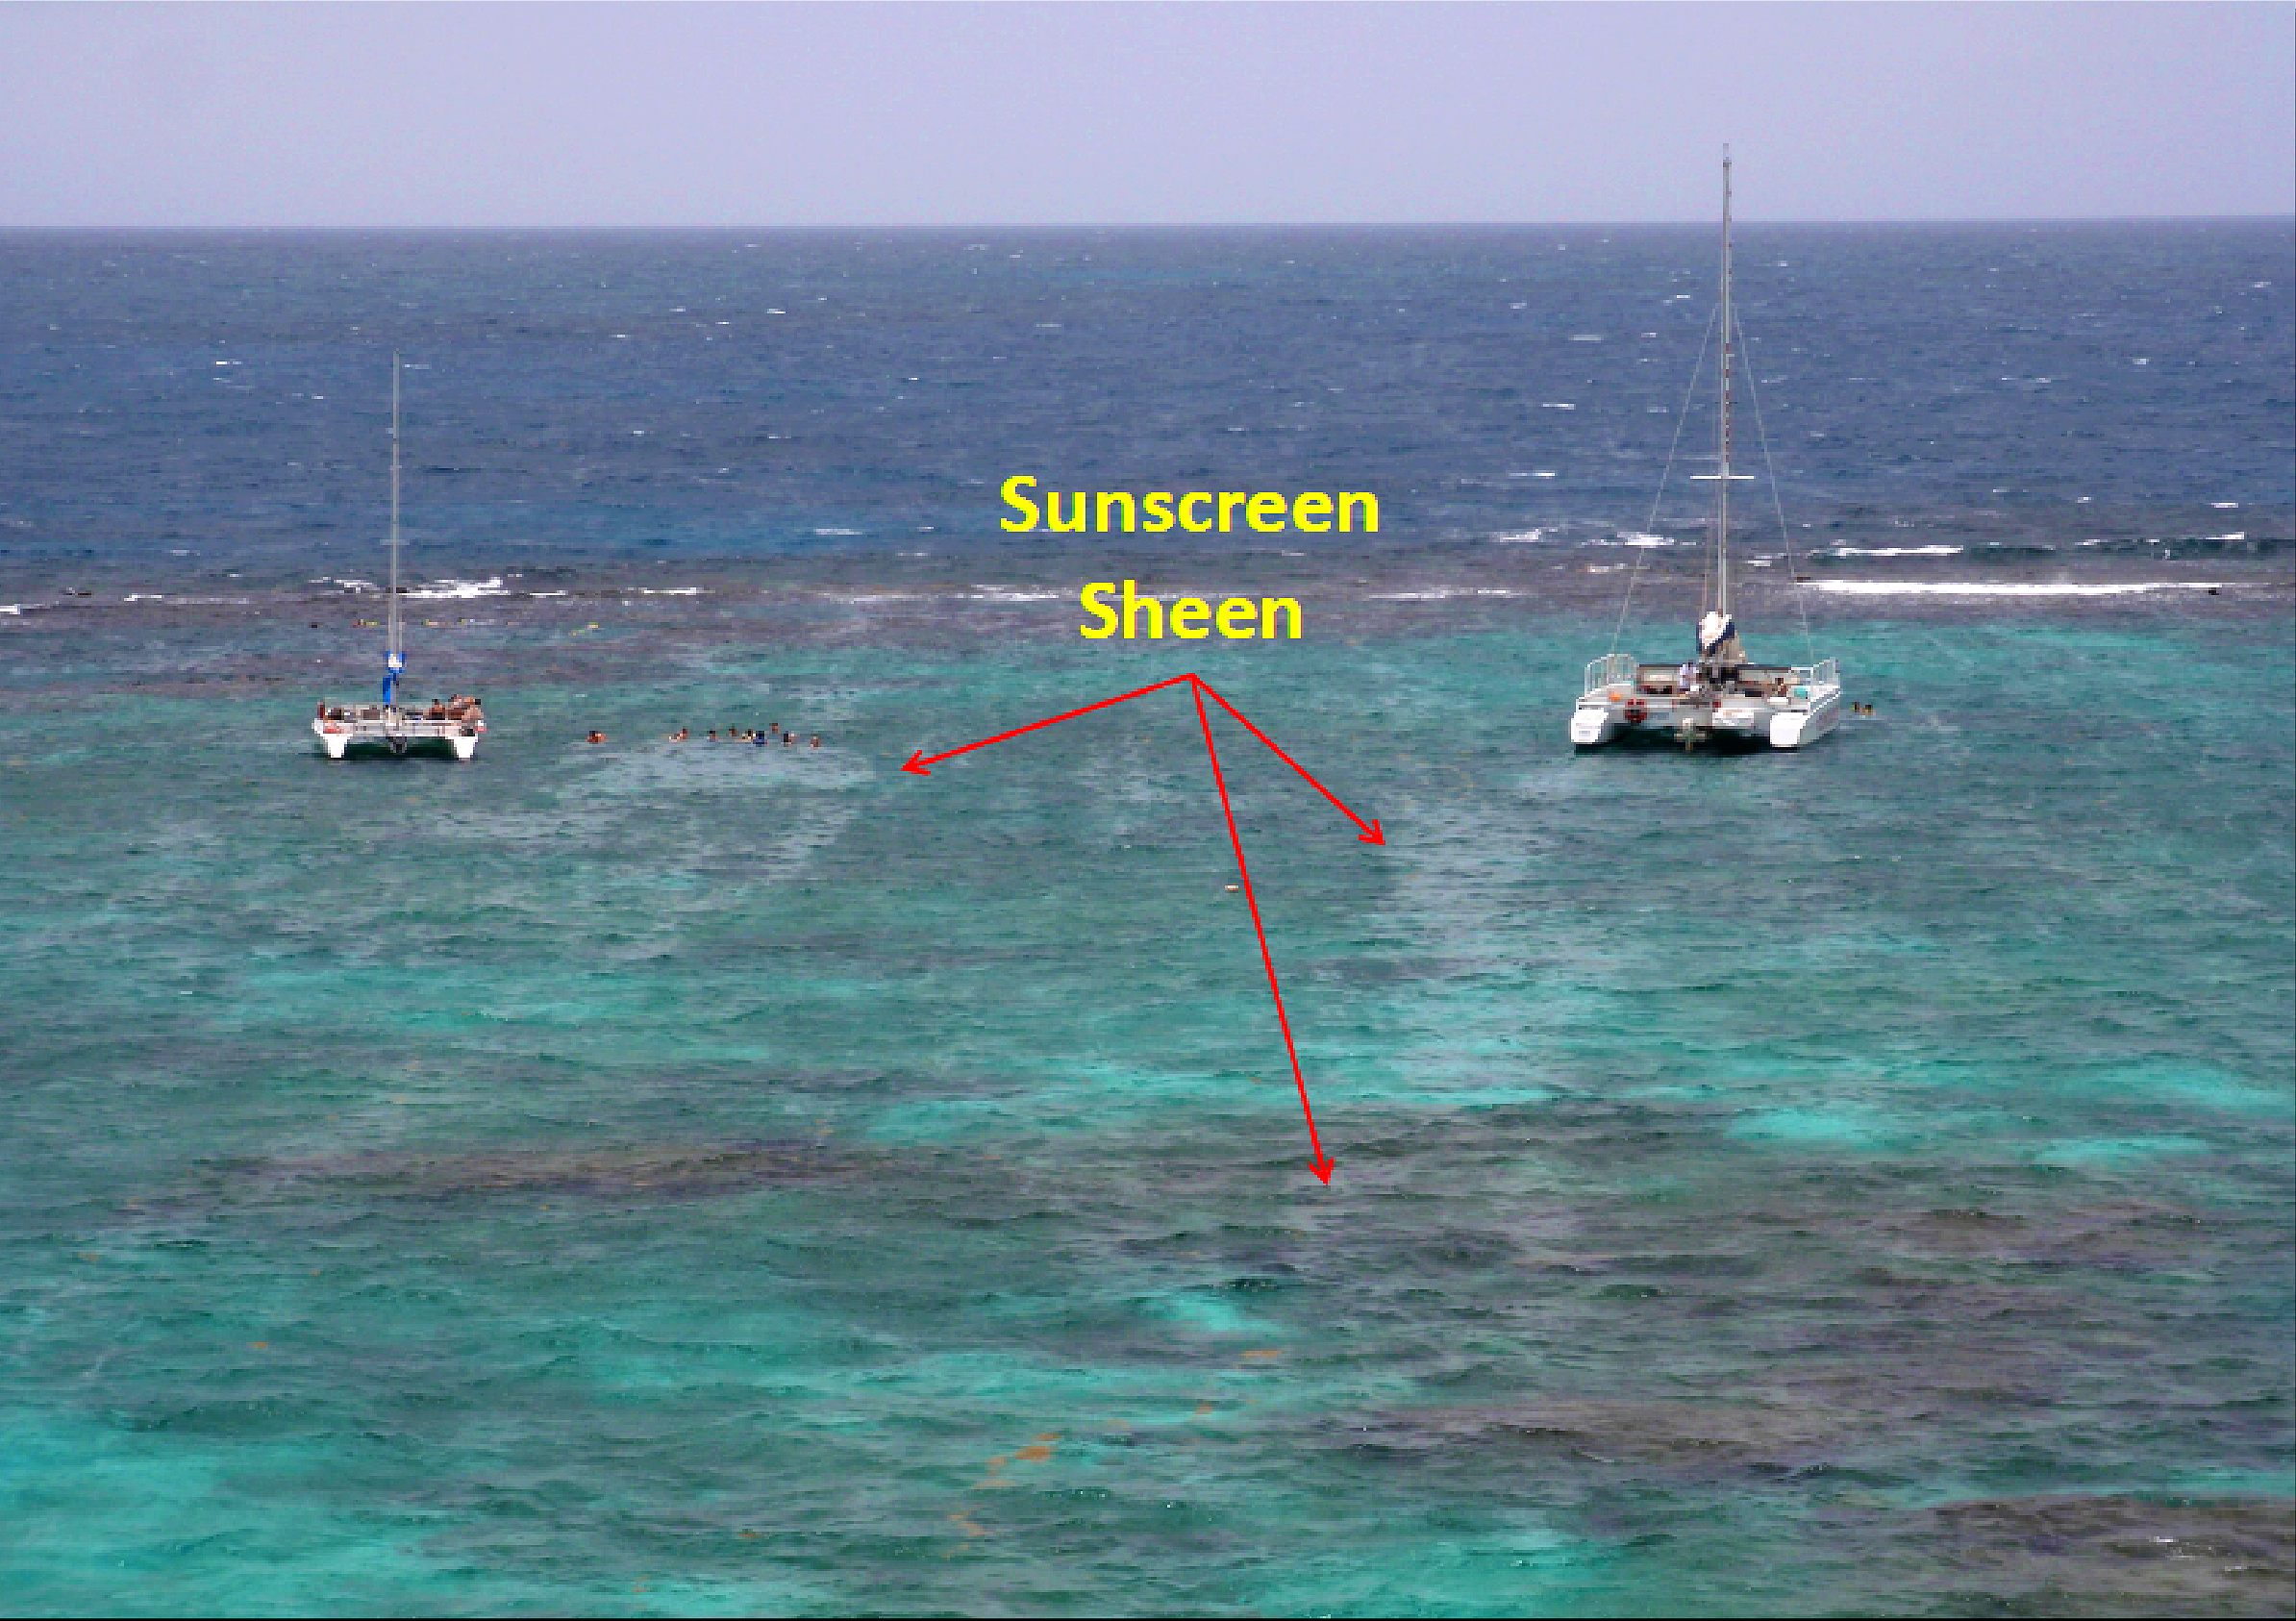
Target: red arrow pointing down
point(1371, 834)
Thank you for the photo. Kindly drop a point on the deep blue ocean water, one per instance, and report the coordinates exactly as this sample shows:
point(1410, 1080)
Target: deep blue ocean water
point(686, 1178)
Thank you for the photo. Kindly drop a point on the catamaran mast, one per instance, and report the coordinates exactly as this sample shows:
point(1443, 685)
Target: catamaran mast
point(394, 654)
point(1722, 428)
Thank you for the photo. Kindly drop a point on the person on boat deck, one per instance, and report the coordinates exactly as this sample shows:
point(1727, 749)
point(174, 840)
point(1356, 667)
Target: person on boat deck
point(1685, 678)
point(436, 710)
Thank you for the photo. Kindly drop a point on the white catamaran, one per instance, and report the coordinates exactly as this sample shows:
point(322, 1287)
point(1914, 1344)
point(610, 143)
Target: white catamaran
point(459, 722)
point(1718, 695)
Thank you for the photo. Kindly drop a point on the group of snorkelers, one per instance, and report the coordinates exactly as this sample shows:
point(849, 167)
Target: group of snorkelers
point(772, 733)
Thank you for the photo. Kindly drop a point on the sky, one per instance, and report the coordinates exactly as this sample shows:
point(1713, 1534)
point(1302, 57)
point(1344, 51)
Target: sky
point(541, 114)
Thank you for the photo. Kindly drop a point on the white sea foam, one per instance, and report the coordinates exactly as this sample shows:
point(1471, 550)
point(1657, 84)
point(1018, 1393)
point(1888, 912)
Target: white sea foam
point(1635, 537)
point(15, 607)
point(2236, 535)
point(1521, 537)
point(1897, 551)
point(2226, 506)
point(1993, 588)
point(545, 593)
point(671, 591)
point(1556, 405)
point(145, 596)
point(350, 585)
point(837, 532)
point(995, 594)
point(1439, 593)
point(457, 591)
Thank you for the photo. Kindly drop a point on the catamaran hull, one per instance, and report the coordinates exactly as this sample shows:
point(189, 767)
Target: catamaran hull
point(1591, 729)
point(339, 737)
point(1599, 720)
point(1794, 729)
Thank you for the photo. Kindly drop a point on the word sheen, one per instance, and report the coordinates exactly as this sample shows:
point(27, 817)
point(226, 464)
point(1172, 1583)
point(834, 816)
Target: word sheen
point(1240, 618)
point(1267, 511)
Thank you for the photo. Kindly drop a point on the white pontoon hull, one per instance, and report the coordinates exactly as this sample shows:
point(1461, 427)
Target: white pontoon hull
point(1619, 701)
point(397, 733)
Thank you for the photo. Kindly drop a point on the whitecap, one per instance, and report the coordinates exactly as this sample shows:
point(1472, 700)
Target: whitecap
point(545, 593)
point(2226, 506)
point(1439, 593)
point(1556, 405)
point(1522, 537)
point(994, 594)
point(145, 596)
point(452, 590)
point(2236, 535)
point(1897, 551)
point(837, 532)
point(1983, 588)
point(671, 591)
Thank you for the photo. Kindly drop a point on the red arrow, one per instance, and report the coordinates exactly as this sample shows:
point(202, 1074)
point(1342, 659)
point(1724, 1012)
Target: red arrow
point(918, 761)
point(1370, 835)
point(1320, 1164)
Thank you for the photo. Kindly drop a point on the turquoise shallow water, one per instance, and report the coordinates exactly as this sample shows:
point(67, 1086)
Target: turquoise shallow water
point(661, 1179)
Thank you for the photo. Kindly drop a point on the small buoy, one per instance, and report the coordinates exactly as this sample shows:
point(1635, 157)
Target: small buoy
point(1233, 887)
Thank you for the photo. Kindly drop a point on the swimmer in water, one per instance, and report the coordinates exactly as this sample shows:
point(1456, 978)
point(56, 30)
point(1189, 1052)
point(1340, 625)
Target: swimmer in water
point(680, 736)
point(757, 738)
point(789, 738)
point(595, 737)
point(817, 739)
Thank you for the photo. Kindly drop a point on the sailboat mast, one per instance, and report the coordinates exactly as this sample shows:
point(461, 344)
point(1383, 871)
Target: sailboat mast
point(1723, 426)
point(394, 658)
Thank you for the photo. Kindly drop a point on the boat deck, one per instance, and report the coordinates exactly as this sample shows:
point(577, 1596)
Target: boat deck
point(1781, 705)
point(340, 726)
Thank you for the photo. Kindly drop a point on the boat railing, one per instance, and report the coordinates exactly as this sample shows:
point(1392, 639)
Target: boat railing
point(1826, 672)
point(363, 725)
point(1608, 670)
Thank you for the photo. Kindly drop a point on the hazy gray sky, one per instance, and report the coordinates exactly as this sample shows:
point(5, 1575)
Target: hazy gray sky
point(521, 114)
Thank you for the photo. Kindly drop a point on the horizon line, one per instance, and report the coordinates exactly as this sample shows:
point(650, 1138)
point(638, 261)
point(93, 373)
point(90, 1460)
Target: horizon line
point(2289, 218)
